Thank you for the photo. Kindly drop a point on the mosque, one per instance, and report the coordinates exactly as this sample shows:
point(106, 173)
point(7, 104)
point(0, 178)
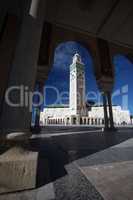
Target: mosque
point(77, 112)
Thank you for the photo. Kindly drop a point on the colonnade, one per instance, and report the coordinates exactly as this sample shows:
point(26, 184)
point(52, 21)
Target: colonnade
point(24, 71)
point(71, 121)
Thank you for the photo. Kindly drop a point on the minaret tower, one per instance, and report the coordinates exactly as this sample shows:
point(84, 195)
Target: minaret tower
point(77, 86)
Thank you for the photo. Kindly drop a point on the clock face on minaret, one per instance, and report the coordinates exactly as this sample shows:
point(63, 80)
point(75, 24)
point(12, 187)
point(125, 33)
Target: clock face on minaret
point(77, 85)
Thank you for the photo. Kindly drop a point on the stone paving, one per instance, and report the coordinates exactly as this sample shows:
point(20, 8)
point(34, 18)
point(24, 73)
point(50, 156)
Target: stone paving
point(43, 193)
point(75, 186)
point(111, 171)
point(77, 175)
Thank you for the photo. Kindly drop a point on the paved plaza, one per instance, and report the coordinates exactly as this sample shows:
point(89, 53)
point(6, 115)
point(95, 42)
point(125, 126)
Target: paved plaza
point(81, 165)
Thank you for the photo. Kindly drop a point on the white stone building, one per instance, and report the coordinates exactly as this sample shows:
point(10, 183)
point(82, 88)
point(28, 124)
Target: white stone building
point(76, 112)
point(120, 116)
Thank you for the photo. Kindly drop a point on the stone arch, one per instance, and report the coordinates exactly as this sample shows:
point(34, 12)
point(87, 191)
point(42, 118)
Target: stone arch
point(87, 58)
point(52, 36)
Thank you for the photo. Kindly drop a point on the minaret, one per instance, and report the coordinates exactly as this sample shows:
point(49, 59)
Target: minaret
point(77, 86)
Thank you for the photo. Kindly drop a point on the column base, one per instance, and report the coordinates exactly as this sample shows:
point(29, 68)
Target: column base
point(15, 138)
point(18, 168)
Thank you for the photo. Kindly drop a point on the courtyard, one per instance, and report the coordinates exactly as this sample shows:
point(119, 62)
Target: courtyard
point(68, 163)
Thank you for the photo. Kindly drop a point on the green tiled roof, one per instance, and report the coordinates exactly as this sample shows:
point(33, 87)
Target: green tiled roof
point(58, 106)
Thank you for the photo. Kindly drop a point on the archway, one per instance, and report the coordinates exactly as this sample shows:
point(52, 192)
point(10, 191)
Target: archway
point(57, 86)
point(59, 74)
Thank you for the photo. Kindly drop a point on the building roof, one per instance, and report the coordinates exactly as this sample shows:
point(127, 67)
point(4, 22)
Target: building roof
point(58, 106)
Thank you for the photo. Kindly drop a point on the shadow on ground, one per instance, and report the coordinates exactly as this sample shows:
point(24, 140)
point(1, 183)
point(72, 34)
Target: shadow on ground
point(56, 152)
point(51, 161)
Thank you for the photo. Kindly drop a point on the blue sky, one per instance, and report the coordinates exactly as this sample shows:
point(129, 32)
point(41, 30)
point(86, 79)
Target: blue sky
point(123, 79)
point(59, 74)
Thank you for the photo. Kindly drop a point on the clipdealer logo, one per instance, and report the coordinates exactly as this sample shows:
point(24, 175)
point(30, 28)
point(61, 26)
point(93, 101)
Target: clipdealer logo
point(22, 96)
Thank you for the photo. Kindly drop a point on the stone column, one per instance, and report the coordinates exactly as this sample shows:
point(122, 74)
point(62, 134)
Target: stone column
point(65, 121)
point(78, 120)
point(71, 120)
point(86, 120)
point(100, 120)
point(105, 112)
point(105, 74)
point(110, 110)
point(24, 68)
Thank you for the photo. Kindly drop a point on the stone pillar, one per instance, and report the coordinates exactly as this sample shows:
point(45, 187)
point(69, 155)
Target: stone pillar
point(24, 68)
point(105, 112)
point(78, 120)
point(86, 120)
point(71, 120)
point(105, 75)
point(65, 121)
point(110, 110)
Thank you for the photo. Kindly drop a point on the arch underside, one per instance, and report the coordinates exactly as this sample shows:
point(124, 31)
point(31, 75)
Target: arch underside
point(54, 34)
